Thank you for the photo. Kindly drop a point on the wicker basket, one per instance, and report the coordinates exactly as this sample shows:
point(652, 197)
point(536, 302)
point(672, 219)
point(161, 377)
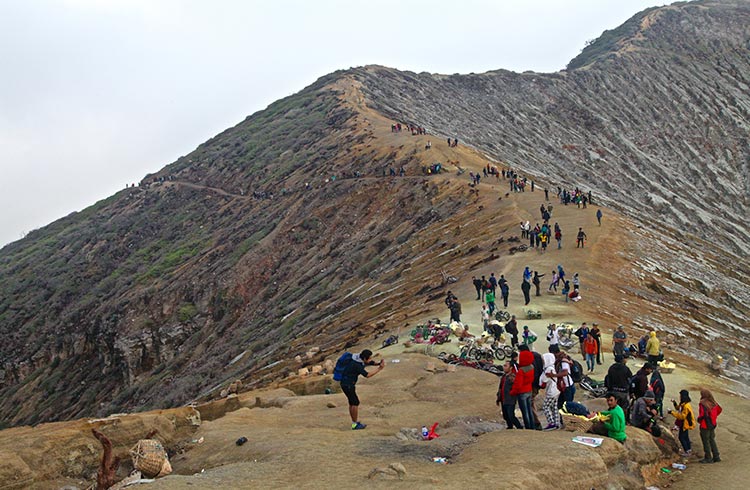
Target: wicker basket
point(150, 458)
point(576, 423)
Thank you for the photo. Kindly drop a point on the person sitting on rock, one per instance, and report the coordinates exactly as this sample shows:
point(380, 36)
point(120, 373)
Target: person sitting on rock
point(643, 413)
point(613, 424)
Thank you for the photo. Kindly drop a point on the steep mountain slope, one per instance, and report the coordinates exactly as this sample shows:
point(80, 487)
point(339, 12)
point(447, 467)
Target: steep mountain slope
point(283, 232)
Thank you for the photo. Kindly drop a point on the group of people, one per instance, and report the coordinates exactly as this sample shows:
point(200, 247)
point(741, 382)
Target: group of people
point(415, 130)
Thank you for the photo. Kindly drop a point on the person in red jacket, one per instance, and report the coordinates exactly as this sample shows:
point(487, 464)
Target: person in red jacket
point(522, 387)
point(708, 411)
point(591, 349)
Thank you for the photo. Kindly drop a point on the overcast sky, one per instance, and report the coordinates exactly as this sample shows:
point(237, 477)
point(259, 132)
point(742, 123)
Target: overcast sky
point(94, 94)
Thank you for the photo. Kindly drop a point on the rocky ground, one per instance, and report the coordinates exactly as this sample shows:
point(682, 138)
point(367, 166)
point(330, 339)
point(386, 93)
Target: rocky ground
point(301, 441)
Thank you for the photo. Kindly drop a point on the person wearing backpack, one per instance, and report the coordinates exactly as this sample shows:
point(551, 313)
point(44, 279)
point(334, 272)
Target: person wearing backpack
point(708, 411)
point(657, 386)
point(684, 420)
point(505, 399)
point(617, 380)
point(563, 378)
point(348, 369)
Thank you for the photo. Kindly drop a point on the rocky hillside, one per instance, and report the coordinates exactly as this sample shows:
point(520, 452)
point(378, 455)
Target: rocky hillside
point(284, 232)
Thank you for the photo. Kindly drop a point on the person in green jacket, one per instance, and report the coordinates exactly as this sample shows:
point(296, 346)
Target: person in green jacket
point(614, 427)
point(489, 297)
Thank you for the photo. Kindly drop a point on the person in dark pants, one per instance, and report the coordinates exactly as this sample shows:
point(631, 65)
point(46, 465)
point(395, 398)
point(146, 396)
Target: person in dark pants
point(563, 369)
point(597, 334)
point(505, 292)
point(455, 311)
point(506, 400)
point(537, 281)
point(580, 238)
point(512, 328)
point(353, 370)
point(708, 411)
point(618, 380)
point(526, 288)
point(478, 286)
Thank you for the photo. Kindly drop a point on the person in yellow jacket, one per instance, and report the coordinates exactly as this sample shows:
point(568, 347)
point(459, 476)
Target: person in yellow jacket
point(684, 419)
point(653, 348)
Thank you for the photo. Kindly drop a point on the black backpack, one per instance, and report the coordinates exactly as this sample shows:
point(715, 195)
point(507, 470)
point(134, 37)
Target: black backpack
point(576, 370)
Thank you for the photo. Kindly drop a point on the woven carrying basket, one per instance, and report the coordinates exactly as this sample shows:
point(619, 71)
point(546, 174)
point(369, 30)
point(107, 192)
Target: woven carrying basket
point(575, 423)
point(150, 458)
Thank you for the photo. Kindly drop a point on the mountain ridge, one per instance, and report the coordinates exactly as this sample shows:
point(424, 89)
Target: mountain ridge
point(225, 263)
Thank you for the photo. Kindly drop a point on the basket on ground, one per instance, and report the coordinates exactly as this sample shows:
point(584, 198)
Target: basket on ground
point(575, 423)
point(150, 458)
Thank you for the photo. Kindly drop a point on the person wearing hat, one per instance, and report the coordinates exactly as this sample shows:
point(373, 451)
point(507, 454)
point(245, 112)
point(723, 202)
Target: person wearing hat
point(619, 340)
point(643, 411)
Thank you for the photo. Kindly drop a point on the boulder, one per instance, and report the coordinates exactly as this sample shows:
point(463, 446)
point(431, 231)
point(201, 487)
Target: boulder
point(317, 369)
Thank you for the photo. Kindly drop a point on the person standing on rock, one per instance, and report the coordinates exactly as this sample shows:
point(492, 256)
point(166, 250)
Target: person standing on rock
point(353, 370)
point(526, 288)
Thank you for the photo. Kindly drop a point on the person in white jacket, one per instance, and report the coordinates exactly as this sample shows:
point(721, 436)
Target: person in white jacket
point(549, 406)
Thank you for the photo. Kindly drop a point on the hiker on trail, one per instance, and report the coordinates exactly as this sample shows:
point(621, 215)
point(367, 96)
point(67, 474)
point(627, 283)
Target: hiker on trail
point(523, 230)
point(562, 373)
point(485, 287)
point(643, 413)
point(617, 380)
point(527, 274)
point(619, 340)
point(478, 286)
point(544, 238)
point(529, 337)
point(576, 282)
point(493, 282)
point(558, 236)
point(546, 194)
point(614, 426)
point(489, 297)
point(590, 348)
point(653, 348)
point(521, 388)
point(580, 238)
point(512, 328)
point(684, 420)
point(351, 371)
point(455, 308)
point(504, 291)
point(526, 288)
point(555, 281)
point(708, 411)
point(449, 299)
point(657, 386)
point(582, 333)
point(537, 281)
point(599, 216)
point(565, 290)
point(561, 272)
point(597, 334)
point(549, 405)
point(505, 399)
